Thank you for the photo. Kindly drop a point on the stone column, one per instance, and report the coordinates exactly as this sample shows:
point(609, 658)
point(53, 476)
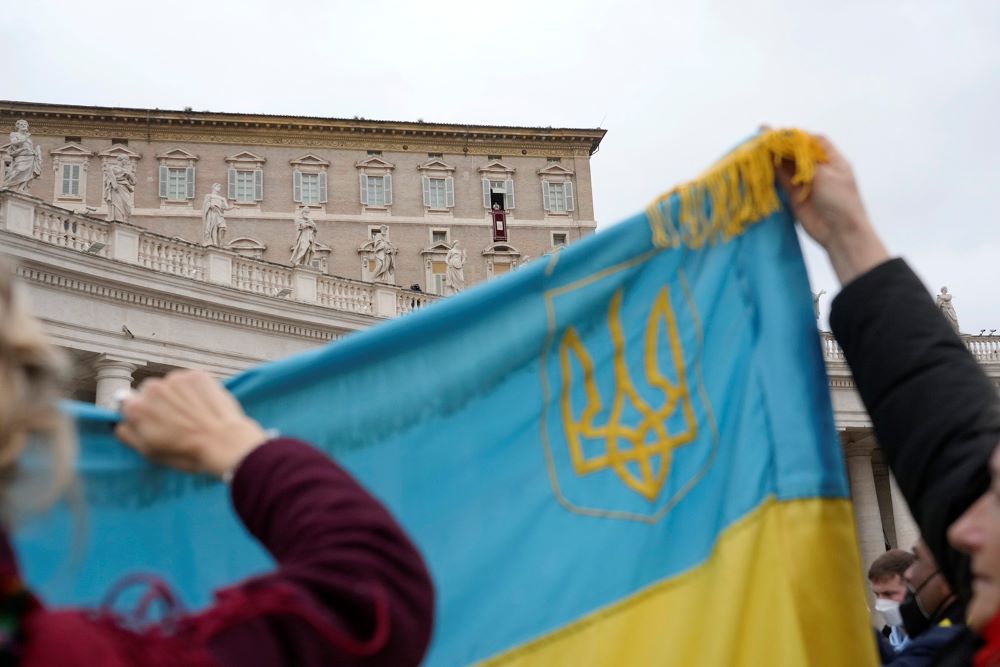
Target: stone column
point(113, 374)
point(907, 530)
point(866, 512)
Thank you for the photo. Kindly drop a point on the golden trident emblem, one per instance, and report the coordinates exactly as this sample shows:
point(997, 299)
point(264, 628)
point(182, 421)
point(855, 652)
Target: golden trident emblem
point(636, 444)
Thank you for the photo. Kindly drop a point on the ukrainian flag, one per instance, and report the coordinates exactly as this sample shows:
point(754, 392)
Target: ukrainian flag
point(621, 454)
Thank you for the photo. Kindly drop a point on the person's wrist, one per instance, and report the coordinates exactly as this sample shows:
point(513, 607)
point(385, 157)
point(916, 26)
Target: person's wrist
point(855, 248)
point(232, 444)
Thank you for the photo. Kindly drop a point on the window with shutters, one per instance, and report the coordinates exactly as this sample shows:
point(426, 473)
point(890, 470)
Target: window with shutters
point(558, 239)
point(438, 185)
point(309, 180)
point(245, 179)
point(70, 165)
point(70, 186)
point(375, 180)
point(176, 176)
point(498, 185)
point(558, 196)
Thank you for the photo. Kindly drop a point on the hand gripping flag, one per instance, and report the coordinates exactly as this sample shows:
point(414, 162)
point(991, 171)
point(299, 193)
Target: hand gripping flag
point(621, 454)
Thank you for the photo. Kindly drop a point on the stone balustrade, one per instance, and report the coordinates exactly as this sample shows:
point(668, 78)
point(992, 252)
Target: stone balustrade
point(30, 216)
point(984, 348)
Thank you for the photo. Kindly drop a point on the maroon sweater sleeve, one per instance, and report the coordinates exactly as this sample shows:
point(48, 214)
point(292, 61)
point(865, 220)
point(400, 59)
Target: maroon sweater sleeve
point(350, 587)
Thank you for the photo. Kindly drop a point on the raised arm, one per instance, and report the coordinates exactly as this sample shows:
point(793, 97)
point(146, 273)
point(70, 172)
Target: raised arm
point(935, 412)
point(349, 589)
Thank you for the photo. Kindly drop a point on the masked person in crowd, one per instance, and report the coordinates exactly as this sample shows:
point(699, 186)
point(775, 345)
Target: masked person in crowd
point(887, 575)
point(935, 413)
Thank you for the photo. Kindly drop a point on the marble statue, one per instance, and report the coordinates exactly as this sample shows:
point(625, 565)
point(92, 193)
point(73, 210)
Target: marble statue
point(454, 280)
point(213, 212)
point(25, 159)
point(119, 189)
point(385, 261)
point(943, 302)
point(305, 241)
point(816, 298)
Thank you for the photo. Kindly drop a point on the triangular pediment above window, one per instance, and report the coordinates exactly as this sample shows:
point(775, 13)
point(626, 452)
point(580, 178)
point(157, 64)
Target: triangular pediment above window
point(496, 166)
point(72, 150)
point(118, 150)
point(177, 154)
point(246, 157)
point(441, 247)
point(435, 164)
point(374, 162)
point(321, 249)
point(501, 248)
point(309, 160)
point(245, 243)
point(555, 169)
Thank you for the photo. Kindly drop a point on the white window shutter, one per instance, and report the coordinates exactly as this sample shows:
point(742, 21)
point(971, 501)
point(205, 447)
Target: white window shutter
point(190, 182)
point(232, 183)
point(297, 186)
point(449, 192)
point(568, 189)
point(508, 196)
point(164, 175)
point(322, 187)
point(364, 188)
point(388, 189)
point(258, 184)
point(427, 190)
point(545, 196)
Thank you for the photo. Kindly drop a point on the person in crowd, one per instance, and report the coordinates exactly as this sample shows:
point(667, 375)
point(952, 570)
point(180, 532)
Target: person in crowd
point(887, 577)
point(349, 588)
point(931, 613)
point(935, 413)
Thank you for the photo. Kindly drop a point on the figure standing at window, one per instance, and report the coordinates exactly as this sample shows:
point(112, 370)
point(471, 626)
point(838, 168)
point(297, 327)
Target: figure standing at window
point(214, 213)
point(455, 278)
point(25, 159)
point(305, 241)
point(119, 190)
point(385, 262)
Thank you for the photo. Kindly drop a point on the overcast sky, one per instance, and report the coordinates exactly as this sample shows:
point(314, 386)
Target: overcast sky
point(908, 90)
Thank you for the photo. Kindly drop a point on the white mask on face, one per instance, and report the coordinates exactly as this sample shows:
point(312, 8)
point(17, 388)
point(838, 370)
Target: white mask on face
point(890, 611)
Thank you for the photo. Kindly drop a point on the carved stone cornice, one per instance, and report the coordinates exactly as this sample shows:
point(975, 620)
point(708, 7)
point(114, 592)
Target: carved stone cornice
point(175, 306)
point(309, 132)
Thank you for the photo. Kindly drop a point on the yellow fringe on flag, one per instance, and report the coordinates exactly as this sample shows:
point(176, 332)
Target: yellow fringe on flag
point(734, 193)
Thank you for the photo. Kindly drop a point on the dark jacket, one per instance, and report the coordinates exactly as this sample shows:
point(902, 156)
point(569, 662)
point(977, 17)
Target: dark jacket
point(349, 588)
point(936, 414)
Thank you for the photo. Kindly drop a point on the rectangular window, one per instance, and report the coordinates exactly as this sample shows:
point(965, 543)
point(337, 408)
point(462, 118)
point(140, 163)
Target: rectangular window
point(176, 183)
point(439, 236)
point(374, 152)
point(376, 191)
point(557, 197)
point(310, 188)
point(558, 239)
point(493, 188)
point(436, 194)
point(70, 181)
point(438, 155)
point(119, 142)
point(553, 159)
point(438, 272)
point(244, 186)
point(494, 157)
point(439, 193)
point(74, 140)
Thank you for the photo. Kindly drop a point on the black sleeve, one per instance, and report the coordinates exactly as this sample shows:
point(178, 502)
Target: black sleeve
point(935, 412)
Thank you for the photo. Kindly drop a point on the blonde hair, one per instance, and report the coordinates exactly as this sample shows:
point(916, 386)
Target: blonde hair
point(33, 376)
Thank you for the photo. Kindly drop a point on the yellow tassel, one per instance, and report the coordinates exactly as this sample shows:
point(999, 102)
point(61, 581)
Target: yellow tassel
point(734, 193)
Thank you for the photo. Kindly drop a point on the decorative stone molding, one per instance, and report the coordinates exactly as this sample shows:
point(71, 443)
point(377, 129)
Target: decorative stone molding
point(310, 166)
point(374, 167)
point(557, 186)
point(247, 247)
point(435, 258)
point(176, 159)
point(501, 258)
point(240, 166)
point(495, 173)
point(76, 158)
point(438, 187)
